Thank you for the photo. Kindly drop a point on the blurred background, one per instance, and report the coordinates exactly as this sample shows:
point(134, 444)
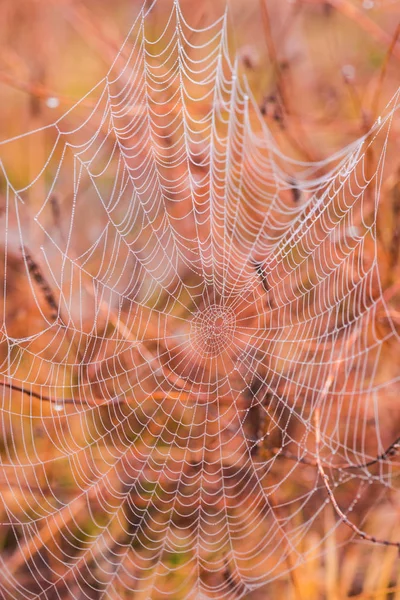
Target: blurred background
point(330, 66)
point(322, 73)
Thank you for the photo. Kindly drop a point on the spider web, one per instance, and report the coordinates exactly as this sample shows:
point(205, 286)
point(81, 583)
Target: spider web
point(196, 353)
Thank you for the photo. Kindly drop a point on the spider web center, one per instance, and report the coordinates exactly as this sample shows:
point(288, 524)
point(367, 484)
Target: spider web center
point(212, 330)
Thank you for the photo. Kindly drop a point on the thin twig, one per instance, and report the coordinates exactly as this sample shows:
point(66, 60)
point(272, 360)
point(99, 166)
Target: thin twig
point(358, 16)
point(93, 402)
point(390, 452)
point(280, 84)
point(383, 71)
point(37, 274)
point(359, 532)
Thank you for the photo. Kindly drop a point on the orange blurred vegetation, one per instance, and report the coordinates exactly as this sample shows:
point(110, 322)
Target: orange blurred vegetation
point(322, 72)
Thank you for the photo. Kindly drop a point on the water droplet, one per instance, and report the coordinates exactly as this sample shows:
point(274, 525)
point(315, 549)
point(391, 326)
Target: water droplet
point(353, 231)
point(58, 405)
point(368, 4)
point(349, 72)
point(52, 102)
